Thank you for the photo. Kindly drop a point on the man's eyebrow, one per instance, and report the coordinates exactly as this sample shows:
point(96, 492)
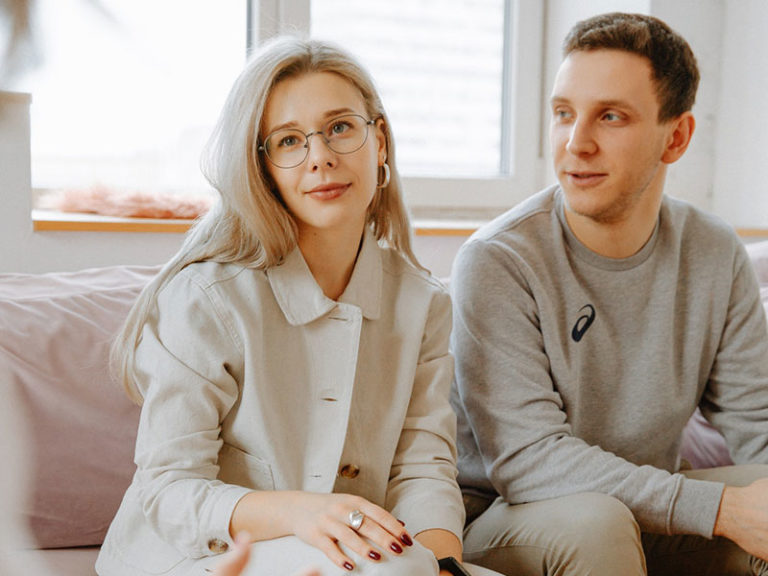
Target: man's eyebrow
point(607, 103)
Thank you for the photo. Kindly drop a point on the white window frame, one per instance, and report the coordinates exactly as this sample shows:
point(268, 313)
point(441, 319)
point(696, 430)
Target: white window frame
point(522, 136)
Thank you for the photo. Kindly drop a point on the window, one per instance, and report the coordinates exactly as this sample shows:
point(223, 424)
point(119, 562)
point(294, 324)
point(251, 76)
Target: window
point(439, 65)
point(461, 81)
point(128, 92)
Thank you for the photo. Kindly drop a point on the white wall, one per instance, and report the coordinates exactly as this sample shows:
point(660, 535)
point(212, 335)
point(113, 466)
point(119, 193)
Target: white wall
point(741, 139)
point(725, 170)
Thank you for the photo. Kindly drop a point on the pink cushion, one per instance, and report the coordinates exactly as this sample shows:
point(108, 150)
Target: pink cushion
point(703, 446)
point(758, 254)
point(55, 332)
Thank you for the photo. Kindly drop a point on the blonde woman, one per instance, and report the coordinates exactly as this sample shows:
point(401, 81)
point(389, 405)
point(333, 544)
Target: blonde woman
point(292, 360)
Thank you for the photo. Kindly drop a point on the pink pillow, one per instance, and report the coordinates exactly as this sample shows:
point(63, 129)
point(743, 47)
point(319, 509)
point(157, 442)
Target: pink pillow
point(758, 254)
point(703, 446)
point(55, 333)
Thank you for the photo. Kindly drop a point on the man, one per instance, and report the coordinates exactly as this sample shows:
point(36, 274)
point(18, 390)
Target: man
point(589, 323)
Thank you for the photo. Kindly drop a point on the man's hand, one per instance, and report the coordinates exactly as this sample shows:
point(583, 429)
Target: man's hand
point(743, 517)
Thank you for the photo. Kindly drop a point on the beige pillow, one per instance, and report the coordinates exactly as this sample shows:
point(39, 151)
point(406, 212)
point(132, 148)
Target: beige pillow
point(55, 333)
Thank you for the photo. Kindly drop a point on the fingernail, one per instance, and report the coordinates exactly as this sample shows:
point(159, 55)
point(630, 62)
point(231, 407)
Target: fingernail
point(348, 566)
point(405, 539)
point(375, 555)
point(401, 522)
point(396, 548)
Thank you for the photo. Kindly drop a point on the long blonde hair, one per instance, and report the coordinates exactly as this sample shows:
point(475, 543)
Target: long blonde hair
point(249, 224)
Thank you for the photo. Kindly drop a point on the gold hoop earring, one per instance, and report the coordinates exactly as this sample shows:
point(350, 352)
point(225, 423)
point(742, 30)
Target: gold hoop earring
point(385, 183)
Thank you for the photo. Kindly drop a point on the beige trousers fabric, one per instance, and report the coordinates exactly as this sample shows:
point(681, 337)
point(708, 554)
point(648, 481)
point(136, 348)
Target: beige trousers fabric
point(596, 535)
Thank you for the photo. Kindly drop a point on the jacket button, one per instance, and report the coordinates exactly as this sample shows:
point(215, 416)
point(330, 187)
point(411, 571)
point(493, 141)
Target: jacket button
point(349, 471)
point(217, 546)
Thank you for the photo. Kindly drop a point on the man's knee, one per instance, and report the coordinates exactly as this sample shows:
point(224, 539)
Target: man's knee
point(579, 534)
point(598, 518)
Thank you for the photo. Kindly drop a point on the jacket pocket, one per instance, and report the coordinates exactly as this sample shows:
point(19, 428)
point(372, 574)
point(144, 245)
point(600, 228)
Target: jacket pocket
point(137, 544)
point(243, 469)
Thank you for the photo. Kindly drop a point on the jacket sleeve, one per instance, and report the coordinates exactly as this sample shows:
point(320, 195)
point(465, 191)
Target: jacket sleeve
point(185, 363)
point(422, 490)
point(735, 400)
point(517, 416)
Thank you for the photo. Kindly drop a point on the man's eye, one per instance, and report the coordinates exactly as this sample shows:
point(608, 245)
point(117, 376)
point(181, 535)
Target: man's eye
point(611, 117)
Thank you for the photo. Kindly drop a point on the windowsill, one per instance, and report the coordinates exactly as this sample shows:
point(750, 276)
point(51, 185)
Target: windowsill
point(51, 220)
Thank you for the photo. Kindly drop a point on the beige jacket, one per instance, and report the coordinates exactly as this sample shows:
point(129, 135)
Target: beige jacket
point(254, 380)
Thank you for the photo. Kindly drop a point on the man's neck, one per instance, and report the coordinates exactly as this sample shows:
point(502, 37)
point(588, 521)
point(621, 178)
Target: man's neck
point(618, 239)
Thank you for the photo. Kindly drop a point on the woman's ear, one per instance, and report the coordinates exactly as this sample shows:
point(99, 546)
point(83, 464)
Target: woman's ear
point(681, 132)
point(381, 139)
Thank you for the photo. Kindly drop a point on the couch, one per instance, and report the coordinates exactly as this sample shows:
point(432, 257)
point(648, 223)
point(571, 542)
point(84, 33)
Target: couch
point(55, 331)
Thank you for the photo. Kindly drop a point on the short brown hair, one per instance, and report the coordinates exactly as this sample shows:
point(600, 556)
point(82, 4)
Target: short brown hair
point(673, 64)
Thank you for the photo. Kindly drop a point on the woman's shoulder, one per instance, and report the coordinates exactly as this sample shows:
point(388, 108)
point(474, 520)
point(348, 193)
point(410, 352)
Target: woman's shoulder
point(210, 275)
point(404, 272)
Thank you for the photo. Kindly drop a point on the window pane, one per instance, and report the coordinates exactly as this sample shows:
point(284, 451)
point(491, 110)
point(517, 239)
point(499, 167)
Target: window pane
point(438, 65)
point(128, 92)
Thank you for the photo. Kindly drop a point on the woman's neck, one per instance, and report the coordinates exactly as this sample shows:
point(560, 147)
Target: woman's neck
point(331, 257)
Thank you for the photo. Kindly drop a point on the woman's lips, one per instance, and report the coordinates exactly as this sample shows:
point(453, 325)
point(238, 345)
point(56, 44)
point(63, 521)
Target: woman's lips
point(328, 191)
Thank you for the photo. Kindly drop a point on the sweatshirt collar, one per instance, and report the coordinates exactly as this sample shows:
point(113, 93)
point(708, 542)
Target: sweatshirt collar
point(302, 300)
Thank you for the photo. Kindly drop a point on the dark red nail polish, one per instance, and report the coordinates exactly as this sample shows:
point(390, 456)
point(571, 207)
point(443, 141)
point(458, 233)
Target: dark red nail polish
point(405, 539)
point(348, 566)
point(375, 555)
point(401, 522)
point(396, 548)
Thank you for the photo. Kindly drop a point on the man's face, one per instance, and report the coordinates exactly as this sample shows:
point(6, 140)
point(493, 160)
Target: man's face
point(607, 143)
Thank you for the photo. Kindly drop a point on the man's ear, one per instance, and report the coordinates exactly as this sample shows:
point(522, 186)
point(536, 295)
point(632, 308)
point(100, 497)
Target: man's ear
point(681, 132)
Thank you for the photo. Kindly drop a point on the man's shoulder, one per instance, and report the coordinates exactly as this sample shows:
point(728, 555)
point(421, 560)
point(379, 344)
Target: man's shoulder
point(518, 222)
point(517, 238)
point(698, 227)
point(692, 220)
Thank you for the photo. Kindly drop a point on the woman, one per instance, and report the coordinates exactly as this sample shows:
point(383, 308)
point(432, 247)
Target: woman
point(293, 371)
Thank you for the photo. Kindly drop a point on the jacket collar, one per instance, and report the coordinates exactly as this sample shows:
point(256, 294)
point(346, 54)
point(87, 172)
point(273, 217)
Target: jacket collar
point(302, 300)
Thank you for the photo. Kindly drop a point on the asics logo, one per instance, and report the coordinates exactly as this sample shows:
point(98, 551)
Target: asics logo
point(583, 322)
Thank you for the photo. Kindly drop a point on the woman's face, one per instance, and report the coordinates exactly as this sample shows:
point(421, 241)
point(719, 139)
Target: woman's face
point(328, 191)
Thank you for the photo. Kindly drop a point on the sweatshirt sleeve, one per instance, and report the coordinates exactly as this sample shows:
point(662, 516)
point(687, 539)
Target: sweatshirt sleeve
point(185, 361)
point(423, 490)
point(518, 419)
point(735, 400)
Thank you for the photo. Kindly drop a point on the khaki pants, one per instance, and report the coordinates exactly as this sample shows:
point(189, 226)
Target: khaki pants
point(596, 535)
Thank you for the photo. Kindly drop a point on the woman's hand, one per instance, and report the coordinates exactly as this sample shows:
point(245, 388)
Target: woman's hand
point(323, 521)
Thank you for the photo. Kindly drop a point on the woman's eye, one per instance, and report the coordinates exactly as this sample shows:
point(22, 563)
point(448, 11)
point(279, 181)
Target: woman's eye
point(339, 127)
point(287, 142)
point(562, 115)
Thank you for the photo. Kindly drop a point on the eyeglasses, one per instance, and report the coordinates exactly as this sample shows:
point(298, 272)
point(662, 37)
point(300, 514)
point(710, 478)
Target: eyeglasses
point(289, 147)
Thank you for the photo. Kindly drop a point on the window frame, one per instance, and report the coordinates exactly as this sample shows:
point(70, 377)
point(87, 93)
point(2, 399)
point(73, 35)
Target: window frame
point(521, 170)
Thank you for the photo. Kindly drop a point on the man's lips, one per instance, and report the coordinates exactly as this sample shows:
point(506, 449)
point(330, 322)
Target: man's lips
point(585, 177)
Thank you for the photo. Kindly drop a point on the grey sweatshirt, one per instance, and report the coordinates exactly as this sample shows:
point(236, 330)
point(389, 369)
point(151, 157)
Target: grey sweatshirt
point(577, 373)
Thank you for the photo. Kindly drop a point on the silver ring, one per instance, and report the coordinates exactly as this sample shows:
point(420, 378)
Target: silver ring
point(356, 519)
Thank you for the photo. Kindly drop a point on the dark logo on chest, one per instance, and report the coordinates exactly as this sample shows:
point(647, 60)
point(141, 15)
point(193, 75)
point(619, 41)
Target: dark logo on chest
point(583, 322)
